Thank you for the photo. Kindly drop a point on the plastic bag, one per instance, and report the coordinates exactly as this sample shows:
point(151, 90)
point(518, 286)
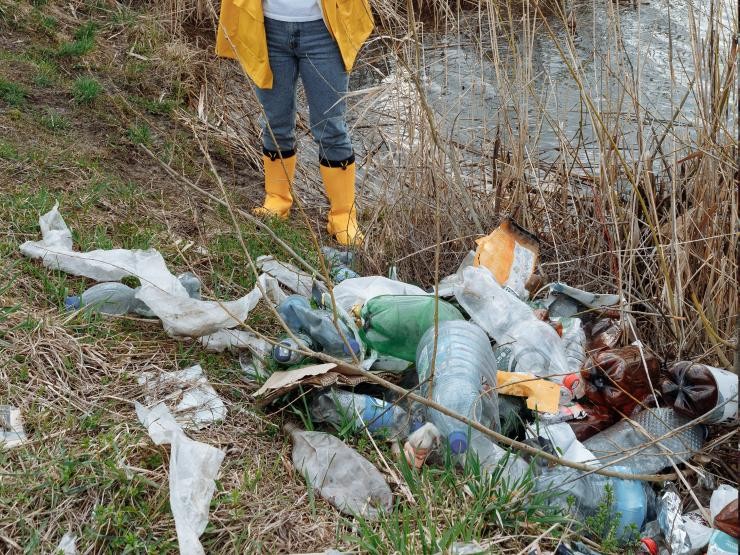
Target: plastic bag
point(198, 404)
point(160, 290)
point(291, 277)
point(68, 544)
point(357, 291)
point(193, 470)
point(340, 474)
point(228, 340)
point(510, 252)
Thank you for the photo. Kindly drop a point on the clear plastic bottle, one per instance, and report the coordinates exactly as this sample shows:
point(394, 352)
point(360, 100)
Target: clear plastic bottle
point(526, 343)
point(318, 324)
point(111, 297)
point(624, 436)
point(382, 419)
point(490, 455)
point(285, 350)
point(463, 359)
point(339, 264)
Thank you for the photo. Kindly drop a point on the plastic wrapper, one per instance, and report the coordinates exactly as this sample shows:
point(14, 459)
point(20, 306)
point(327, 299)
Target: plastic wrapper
point(67, 545)
point(340, 474)
point(160, 290)
point(11, 427)
point(228, 340)
point(357, 291)
point(697, 389)
point(684, 534)
point(567, 301)
point(193, 470)
point(194, 401)
point(510, 253)
point(288, 275)
point(619, 380)
point(723, 507)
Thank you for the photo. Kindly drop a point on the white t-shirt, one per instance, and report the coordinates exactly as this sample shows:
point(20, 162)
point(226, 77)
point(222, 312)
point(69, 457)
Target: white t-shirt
point(292, 10)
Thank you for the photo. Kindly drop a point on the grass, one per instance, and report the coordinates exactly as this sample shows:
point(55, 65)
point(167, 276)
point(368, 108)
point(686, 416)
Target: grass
point(55, 122)
point(84, 42)
point(140, 134)
point(12, 93)
point(86, 89)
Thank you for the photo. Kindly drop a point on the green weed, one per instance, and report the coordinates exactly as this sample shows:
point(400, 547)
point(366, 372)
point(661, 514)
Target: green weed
point(140, 134)
point(84, 42)
point(85, 90)
point(55, 122)
point(12, 93)
point(8, 151)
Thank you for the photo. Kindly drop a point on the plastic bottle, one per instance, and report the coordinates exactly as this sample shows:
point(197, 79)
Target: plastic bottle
point(621, 439)
point(394, 324)
point(696, 389)
point(463, 358)
point(285, 351)
point(340, 474)
point(111, 297)
point(525, 343)
point(339, 262)
point(490, 455)
point(620, 380)
point(631, 503)
point(318, 324)
point(382, 419)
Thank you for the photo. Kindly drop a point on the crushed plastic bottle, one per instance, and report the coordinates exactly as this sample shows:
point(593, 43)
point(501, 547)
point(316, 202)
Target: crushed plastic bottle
point(463, 359)
point(382, 419)
point(286, 350)
point(339, 264)
point(623, 438)
point(114, 298)
point(394, 324)
point(340, 474)
point(620, 380)
point(574, 342)
point(524, 343)
point(697, 389)
point(319, 325)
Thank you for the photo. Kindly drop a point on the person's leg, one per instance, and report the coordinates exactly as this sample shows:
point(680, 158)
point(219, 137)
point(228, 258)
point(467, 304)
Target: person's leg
point(278, 131)
point(325, 81)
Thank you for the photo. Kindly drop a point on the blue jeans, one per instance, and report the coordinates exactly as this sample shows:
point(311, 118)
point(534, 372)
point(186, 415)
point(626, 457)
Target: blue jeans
point(305, 49)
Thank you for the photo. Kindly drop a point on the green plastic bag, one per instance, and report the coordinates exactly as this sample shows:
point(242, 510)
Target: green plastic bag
point(394, 324)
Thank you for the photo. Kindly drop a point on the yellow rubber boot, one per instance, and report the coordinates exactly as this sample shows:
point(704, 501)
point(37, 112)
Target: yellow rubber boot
point(279, 174)
point(340, 188)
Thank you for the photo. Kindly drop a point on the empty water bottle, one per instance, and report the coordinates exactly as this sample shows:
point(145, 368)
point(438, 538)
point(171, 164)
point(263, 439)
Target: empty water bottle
point(626, 438)
point(490, 455)
point(286, 351)
point(319, 325)
point(106, 298)
point(340, 408)
point(463, 359)
point(339, 264)
point(525, 343)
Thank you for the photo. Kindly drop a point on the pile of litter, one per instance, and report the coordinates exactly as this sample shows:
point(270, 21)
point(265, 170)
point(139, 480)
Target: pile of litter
point(552, 366)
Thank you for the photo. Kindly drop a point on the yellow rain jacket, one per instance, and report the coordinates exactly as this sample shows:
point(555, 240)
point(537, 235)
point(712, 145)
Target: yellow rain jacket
point(241, 23)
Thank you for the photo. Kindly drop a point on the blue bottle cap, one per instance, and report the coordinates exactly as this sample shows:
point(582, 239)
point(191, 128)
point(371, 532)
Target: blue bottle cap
point(458, 442)
point(72, 302)
point(280, 353)
point(354, 345)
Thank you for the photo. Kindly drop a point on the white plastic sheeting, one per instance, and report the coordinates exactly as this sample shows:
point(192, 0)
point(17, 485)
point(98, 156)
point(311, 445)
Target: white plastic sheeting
point(193, 470)
point(194, 402)
point(160, 290)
